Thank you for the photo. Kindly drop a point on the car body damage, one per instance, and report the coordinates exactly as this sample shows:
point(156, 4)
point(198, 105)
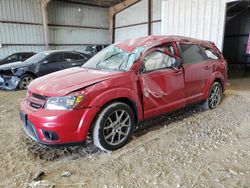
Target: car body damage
point(20, 74)
point(119, 87)
point(152, 88)
point(11, 73)
point(9, 82)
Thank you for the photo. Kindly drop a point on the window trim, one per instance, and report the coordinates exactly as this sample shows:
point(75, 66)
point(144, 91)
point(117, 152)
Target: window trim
point(47, 58)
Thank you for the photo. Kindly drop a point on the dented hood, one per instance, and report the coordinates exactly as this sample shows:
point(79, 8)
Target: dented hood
point(66, 81)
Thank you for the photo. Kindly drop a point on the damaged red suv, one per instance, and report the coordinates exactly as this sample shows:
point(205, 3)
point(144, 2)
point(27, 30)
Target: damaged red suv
point(121, 86)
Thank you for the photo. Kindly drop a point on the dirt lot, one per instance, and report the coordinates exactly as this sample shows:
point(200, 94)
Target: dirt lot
point(190, 148)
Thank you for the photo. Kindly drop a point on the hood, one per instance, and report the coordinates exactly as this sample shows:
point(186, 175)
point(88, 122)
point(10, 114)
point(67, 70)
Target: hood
point(15, 65)
point(66, 81)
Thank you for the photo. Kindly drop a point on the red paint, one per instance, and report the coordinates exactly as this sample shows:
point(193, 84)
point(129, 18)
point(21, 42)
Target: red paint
point(153, 93)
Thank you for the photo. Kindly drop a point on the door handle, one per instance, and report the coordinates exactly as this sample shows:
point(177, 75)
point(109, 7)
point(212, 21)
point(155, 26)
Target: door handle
point(177, 73)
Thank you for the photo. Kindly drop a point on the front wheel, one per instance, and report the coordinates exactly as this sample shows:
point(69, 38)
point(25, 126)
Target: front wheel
point(214, 97)
point(25, 81)
point(113, 127)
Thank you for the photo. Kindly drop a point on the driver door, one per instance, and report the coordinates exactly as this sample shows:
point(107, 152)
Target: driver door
point(162, 84)
point(51, 64)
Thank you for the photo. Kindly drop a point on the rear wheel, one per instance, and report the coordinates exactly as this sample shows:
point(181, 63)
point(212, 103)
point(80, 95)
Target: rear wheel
point(214, 97)
point(113, 127)
point(25, 81)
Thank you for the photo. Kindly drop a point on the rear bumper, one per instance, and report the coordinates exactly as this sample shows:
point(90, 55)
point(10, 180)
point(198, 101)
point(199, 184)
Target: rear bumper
point(70, 127)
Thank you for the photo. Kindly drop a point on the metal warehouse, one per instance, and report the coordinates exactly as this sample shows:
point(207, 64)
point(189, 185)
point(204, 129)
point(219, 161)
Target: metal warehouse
point(125, 93)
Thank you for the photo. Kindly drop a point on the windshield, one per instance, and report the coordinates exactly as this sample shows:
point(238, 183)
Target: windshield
point(37, 58)
point(111, 58)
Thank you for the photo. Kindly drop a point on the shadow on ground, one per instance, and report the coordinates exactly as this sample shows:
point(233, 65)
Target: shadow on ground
point(37, 151)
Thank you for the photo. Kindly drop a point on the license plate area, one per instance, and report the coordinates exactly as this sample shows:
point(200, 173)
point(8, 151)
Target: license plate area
point(23, 118)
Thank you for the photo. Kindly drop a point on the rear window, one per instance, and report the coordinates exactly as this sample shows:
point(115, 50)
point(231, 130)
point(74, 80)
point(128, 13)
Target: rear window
point(211, 54)
point(191, 53)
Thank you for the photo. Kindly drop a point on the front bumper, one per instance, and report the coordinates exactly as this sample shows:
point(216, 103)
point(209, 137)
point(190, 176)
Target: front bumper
point(70, 127)
point(9, 82)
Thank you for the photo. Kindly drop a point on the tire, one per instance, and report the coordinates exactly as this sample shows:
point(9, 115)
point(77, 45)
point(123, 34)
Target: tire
point(214, 97)
point(25, 81)
point(113, 126)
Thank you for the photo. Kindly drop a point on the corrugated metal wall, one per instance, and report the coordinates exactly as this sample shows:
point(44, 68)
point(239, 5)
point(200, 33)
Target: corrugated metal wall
point(132, 22)
point(203, 19)
point(68, 22)
point(20, 26)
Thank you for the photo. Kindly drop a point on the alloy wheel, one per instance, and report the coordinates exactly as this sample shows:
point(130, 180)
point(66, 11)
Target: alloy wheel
point(215, 96)
point(26, 81)
point(117, 127)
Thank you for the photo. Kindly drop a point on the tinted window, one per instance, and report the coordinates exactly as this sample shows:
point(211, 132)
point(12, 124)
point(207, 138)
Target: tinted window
point(191, 54)
point(72, 57)
point(55, 58)
point(27, 55)
point(211, 54)
point(14, 57)
point(158, 60)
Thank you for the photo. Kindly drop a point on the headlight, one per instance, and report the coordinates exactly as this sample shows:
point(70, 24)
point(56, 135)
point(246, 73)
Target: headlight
point(63, 103)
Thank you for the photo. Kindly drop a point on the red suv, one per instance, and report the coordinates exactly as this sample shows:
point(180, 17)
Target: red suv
point(121, 86)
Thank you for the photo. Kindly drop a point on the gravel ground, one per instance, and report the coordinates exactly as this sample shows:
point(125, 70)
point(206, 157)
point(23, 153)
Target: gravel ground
point(190, 148)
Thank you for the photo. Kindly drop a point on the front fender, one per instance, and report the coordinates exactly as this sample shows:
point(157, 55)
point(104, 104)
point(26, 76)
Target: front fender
point(116, 94)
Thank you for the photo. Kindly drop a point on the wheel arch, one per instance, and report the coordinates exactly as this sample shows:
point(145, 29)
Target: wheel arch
point(125, 100)
point(30, 73)
point(220, 81)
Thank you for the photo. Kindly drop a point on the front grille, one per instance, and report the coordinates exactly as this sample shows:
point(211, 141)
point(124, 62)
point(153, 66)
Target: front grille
point(36, 101)
point(36, 106)
point(41, 97)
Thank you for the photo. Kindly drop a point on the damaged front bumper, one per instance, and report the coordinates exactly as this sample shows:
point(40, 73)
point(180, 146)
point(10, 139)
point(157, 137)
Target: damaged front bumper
point(9, 82)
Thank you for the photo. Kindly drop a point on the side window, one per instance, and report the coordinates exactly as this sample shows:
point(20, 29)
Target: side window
point(211, 54)
point(55, 58)
point(15, 57)
point(27, 55)
point(158, 60)
point(72, 57)
point(169, 48)
point(191, 54)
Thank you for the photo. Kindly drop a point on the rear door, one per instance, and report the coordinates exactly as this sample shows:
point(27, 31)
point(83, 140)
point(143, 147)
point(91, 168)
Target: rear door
point(197, 71)
point(73, 60)
point(162, 86)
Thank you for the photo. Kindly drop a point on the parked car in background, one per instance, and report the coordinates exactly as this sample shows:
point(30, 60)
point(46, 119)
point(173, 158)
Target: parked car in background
point(20, 74)
point(94, 49)
point(122, 86)
point(20, 56)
